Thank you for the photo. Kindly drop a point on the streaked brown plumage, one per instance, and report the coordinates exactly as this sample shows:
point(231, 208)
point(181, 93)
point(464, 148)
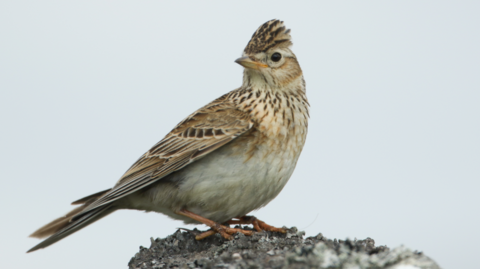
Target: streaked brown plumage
point(226, 159)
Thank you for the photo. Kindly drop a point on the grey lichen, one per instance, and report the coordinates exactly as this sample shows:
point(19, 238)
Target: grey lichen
point(273, 250)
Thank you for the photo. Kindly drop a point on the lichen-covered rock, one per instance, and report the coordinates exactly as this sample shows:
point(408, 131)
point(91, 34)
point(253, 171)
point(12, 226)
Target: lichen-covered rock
point(273, 250)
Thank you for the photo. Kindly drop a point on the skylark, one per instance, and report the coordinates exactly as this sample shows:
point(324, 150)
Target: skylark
point(226, 159)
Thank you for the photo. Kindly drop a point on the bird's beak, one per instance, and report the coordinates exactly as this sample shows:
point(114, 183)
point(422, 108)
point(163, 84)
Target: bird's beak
point(249, 63)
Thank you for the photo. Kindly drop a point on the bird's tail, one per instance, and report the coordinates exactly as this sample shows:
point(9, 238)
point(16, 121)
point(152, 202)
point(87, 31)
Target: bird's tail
point(66, 225)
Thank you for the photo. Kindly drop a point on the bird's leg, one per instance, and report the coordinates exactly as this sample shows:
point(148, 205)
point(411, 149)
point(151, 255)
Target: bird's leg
point(223, 230)
point(257, 224)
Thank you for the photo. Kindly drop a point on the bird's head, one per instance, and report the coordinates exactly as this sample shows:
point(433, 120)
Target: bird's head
point(267, 58)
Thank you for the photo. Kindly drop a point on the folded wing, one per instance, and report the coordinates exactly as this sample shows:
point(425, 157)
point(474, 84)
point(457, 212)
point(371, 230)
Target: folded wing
point(201, 133)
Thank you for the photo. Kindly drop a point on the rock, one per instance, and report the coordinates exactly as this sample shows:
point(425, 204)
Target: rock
point(274, 250)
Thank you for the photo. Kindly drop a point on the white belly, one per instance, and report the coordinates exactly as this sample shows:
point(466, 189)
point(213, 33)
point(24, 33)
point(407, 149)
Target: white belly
point(224, 184)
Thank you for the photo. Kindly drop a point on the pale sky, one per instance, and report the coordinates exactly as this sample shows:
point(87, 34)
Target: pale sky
point(393, 148)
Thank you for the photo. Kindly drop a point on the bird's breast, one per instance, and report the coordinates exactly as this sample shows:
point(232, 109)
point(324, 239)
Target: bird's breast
point(281, 123)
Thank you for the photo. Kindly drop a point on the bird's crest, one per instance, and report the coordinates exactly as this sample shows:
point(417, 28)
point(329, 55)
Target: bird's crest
point(271, 34)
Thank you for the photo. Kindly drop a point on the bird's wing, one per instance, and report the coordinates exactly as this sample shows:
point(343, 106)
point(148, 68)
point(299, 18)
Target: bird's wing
point(201, 133)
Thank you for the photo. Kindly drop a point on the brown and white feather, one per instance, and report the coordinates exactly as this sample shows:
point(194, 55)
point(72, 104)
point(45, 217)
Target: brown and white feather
point(226, 159)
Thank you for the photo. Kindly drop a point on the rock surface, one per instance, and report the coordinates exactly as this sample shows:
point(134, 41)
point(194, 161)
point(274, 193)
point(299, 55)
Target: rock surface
point(274, 250)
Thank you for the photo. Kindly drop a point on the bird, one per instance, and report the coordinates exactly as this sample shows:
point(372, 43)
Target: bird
point(226, 159)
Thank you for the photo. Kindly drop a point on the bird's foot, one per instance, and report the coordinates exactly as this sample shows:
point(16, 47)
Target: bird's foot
point(257, 224)
point(225, 231)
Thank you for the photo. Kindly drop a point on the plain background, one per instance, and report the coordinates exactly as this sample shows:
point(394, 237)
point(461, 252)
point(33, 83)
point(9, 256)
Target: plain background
point(393, 148)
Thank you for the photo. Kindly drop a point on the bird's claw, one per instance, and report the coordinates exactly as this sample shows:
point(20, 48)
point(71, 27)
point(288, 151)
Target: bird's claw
point(224, 231)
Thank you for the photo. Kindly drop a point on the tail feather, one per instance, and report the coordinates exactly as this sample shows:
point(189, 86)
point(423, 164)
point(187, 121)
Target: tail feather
point(66, 225)
point(89, 199)
point(57, 224)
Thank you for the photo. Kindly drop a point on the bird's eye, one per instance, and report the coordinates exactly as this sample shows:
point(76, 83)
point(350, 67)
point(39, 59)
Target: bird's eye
point(276, 57)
